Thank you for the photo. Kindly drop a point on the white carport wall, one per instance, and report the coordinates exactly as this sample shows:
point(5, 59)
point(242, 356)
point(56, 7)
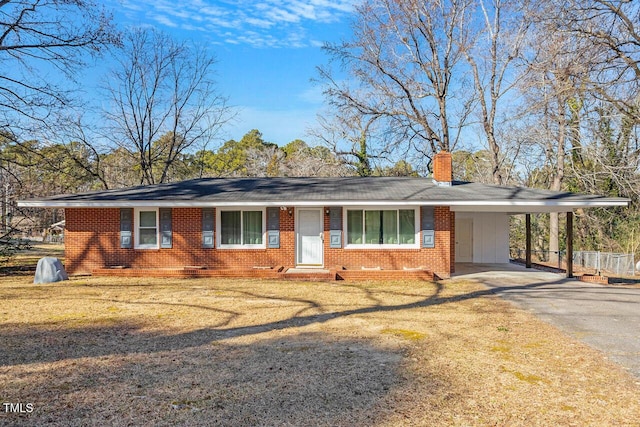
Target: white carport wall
point(489, 237)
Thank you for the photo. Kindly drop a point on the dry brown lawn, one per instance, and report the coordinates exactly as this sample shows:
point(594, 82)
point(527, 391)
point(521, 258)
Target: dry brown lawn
point(107, 351)
point(25, 261)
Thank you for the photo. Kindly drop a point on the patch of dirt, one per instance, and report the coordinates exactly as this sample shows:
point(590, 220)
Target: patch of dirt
point(118, 351)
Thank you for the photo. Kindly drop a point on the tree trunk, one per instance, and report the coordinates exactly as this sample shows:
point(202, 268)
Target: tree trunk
point(558, 178)
point(4, 223)
point(554, 238)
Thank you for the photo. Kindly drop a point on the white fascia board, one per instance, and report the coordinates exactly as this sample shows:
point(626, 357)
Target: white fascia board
point(456, 206)
point(574, 202)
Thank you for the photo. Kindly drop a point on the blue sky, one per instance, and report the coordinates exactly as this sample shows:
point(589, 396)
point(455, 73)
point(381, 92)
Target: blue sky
point(267, 52)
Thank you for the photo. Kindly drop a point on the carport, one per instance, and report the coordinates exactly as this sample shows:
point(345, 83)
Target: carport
point(482, 230)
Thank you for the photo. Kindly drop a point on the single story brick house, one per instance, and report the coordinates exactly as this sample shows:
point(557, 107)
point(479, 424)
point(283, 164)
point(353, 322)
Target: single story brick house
point(349, 226)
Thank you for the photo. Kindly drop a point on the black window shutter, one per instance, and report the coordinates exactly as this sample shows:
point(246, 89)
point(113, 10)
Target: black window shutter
point(166, 235)
point(126, 228)
point(207, 228)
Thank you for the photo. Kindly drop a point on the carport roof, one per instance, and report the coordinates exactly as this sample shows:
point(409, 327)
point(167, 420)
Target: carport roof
point(370, 191)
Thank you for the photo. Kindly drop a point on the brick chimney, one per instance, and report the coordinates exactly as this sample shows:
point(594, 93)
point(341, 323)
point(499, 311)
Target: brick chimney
point(442, 169)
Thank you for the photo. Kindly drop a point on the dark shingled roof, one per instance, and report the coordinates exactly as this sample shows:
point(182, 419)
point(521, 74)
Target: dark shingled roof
point(352, 190)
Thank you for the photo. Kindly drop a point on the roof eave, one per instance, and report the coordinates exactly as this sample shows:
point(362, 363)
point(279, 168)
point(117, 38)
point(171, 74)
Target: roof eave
point(531, 206)
point(456, 205)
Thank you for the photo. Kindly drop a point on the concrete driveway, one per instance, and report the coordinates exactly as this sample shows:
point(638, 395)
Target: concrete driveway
point(605, 317)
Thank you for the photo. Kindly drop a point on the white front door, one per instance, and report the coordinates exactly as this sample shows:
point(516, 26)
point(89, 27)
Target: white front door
point(310, 239)
point(464, 240)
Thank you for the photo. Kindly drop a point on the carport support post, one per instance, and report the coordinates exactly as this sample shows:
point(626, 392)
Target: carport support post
point(527, 248)
point(570, 244)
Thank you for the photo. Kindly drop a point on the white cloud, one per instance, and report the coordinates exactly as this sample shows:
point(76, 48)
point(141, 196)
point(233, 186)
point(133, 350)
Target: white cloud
point(272, 23)
point(281, 15)
point(259, 22)
point(316, 43)
point(131, 5)
point(164, 20)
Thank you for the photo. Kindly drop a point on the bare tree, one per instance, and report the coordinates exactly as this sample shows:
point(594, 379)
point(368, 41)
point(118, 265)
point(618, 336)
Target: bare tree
point(264, 161)
point(401, 67)
point(348, 135)
point(613, 28)
point(610, 121)
point(583, 87)
point(492, 57)
point(37, 38)
point(162, 87)
point(82, 147)
point(303, 160)
point(557, 65)
point(43, 45)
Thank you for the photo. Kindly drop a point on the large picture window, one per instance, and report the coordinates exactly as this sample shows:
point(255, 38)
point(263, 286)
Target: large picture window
point(146, 223)
point(241, 228)
point(381, 227)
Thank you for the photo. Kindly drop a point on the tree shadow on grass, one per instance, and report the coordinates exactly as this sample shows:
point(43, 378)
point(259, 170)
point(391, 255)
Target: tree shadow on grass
point(120, 374)
point(303, 379)
point(55, 342)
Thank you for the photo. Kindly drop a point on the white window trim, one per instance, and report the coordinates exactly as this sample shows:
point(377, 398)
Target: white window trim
point(416, 225)
point(136, 227)
point(219, 244)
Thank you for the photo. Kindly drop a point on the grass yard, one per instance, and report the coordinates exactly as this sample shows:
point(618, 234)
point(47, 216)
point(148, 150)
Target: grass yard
point(25, 261)
point(115, 351)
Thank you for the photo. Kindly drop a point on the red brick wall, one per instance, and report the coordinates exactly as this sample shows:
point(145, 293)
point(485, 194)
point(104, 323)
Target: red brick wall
point(452, 242)
point(92, 240)
point(438, 259)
